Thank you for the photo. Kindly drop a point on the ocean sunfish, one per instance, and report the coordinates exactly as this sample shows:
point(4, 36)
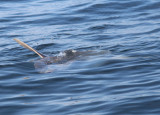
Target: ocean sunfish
point(46, 63)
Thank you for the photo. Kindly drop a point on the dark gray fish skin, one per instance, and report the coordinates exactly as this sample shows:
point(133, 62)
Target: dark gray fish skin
point(66, 56)
point(43, 65)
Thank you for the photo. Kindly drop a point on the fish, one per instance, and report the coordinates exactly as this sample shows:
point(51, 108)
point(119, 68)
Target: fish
point(45, 63)
point(48, 64)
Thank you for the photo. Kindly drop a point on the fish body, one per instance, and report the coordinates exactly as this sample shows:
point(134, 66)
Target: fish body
point(48, 64)
point(42, 64)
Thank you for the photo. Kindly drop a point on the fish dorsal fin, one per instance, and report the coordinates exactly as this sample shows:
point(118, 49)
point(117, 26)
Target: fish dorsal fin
point(28, 47)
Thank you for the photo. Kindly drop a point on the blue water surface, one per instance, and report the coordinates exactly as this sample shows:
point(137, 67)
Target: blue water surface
point(123, 81)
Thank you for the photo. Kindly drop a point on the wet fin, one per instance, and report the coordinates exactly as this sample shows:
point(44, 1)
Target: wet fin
point(28, 47)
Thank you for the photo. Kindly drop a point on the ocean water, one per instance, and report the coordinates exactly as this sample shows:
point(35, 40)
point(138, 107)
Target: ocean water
point(125, 80)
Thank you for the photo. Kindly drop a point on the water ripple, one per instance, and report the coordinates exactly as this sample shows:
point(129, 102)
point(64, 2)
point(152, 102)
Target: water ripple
point(122, 81)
